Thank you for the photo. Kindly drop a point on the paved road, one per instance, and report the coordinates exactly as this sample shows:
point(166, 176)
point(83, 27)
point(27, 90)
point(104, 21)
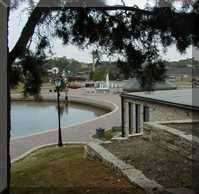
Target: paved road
point(77, 133)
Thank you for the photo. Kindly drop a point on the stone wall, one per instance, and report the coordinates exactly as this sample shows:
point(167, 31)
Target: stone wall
point(134, 176)
point(171, 139)
point(161, 112)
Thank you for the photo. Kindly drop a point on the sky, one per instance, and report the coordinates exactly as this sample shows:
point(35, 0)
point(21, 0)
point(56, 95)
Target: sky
point(18, 18)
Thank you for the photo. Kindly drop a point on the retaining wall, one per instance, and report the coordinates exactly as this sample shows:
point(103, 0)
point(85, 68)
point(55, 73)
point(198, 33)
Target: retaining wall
point(172, 139)
point(134, 175)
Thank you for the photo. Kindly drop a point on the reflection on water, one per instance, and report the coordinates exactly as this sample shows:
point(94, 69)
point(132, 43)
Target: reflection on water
point(33, 117)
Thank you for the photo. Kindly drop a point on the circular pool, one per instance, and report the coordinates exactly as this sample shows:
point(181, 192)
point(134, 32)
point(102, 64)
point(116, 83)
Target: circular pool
point(28, 117)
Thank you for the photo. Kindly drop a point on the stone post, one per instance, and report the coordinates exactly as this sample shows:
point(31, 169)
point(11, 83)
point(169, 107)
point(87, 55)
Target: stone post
point(122, 114)
point(134, 119)
point(126, 118)
point(131, 118)
point(141, 118)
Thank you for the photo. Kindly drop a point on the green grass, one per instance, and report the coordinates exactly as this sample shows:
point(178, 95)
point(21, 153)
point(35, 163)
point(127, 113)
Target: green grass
point(66, 170)
point(109, 134)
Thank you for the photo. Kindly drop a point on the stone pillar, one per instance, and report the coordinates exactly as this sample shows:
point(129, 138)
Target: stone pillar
point(126, 118)
point(3, 97)
point(141, 118)
point(130, 118)
point(134, 119)
point(122, 114)
point(138, 127)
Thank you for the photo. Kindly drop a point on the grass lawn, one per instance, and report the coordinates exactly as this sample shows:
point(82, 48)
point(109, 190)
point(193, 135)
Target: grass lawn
point(66, 170)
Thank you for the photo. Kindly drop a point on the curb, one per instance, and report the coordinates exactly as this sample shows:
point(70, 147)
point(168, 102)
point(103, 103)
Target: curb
point(44, 146)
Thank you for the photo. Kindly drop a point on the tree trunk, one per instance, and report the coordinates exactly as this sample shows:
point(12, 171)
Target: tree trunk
point(27, 33)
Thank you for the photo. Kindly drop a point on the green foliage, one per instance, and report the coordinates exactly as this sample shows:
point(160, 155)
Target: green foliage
point(109, 134)
point(15, 77)
point(99, 75)
point(151, 74)
point(64, 64)
point(128, 34)
point(111, 68)
point(32, 73)
point(91, 75)
point(183, 63)
point(132, 34)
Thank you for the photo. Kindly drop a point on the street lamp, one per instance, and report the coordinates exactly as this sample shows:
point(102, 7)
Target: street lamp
point(58, 83)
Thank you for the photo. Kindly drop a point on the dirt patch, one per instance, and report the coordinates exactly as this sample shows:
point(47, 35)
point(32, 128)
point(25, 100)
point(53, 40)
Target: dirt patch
point(165, 167)
point(189, 128)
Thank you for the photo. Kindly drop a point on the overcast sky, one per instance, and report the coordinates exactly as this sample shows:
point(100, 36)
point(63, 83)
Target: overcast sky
point(18, 19)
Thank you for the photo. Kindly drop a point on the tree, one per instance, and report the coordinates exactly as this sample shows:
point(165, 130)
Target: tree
point(130, 32)
point(63, 64)
point(99, 75)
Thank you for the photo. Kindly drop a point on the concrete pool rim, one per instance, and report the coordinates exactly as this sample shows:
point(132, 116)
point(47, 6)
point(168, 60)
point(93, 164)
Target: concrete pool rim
point(103, 104)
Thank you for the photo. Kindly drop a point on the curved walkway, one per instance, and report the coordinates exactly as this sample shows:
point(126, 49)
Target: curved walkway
point(74, 133)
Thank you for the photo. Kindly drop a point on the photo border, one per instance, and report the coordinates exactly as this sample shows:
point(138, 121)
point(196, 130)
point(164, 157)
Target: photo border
point(4, 149)
point(3, 97)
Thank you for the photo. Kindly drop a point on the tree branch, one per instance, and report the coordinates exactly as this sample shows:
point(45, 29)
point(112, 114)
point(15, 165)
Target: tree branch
point(42, 10)
point(28, 32)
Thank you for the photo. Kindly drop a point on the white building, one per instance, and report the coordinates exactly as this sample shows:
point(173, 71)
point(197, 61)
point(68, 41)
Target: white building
point(140, 107)
point(54, 70)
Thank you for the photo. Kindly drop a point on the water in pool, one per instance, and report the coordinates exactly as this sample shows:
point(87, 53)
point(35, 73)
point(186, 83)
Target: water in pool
point(32, 117)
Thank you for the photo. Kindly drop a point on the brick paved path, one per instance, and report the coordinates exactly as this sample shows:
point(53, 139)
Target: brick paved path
point(75, 133)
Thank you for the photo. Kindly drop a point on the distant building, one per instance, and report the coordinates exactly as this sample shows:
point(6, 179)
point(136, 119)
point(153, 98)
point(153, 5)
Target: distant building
point(84, 66)
point(84, 74)
point(188, 71)
point(76, 78)
point(54, 70)
point(133, 85)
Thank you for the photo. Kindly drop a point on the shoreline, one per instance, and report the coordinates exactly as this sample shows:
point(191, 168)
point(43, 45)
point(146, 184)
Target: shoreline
point(26, 143)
